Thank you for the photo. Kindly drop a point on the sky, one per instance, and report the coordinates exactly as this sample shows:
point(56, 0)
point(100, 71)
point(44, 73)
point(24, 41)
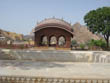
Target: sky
point(21, 16)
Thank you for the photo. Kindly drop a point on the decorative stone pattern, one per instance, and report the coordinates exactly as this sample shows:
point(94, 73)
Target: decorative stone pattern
point(16, 79)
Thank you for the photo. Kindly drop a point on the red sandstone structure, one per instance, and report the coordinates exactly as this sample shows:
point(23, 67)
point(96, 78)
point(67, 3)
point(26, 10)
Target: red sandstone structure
point(53, 32)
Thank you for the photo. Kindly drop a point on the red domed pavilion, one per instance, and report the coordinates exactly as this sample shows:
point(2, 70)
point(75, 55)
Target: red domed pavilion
point(53, 32)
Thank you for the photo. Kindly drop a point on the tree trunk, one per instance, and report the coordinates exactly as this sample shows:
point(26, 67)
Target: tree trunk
point(107, 40)
point(107, 44)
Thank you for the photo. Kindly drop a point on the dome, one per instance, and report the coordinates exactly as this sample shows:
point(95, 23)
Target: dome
point(54, 22)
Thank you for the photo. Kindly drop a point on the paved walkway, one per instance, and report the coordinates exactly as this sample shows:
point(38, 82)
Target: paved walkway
point(55, 69)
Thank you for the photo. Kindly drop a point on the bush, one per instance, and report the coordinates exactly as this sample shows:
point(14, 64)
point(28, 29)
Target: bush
point(100, 43)
point(82, 46)
point(73, 42)
point(21, 46)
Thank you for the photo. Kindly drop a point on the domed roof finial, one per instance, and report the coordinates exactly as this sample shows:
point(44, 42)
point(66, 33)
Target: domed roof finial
point(53, 17)
point(70, 22)
point(62, 18)
point(37, 22)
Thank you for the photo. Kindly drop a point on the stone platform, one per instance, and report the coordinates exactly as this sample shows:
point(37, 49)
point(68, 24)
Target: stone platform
point(55, 69)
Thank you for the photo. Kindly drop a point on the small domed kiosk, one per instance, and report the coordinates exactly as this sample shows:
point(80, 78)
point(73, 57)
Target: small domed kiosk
point(53, 32)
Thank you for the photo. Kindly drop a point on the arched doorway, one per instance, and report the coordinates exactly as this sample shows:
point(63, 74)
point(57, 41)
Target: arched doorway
point(61, 41)
point(52, 41)
point(44, 41)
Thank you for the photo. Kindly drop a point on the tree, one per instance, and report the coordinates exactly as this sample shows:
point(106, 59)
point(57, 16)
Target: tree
point(98, 21)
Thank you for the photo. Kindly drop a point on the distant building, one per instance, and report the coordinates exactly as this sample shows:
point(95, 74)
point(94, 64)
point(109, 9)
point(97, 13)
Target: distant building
point(2, 38)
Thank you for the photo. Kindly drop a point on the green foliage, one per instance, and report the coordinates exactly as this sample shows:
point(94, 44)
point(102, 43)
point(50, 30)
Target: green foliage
point(73, 42)
point(24, 40)
point(98, 21)
point(82, 46)
point(100, 43)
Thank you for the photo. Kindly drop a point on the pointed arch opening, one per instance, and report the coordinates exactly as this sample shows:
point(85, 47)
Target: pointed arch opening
point(44, 40)
point(53, 41)
point(61, 41)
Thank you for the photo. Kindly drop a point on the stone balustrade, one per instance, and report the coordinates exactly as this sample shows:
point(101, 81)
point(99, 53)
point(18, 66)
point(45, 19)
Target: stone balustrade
point(16, 79)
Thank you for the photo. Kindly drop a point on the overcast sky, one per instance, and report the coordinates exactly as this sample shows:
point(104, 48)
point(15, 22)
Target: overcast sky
point(21, 16)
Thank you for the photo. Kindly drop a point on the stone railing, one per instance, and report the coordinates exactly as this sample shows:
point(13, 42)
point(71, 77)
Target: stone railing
point(16, 79)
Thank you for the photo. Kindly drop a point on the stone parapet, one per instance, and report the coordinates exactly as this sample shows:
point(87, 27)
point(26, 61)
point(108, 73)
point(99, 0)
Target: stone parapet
point(60, 56)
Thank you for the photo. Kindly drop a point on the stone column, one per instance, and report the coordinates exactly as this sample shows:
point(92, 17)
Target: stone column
point(68, 42)
point(57, 42)
point(48, 40)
